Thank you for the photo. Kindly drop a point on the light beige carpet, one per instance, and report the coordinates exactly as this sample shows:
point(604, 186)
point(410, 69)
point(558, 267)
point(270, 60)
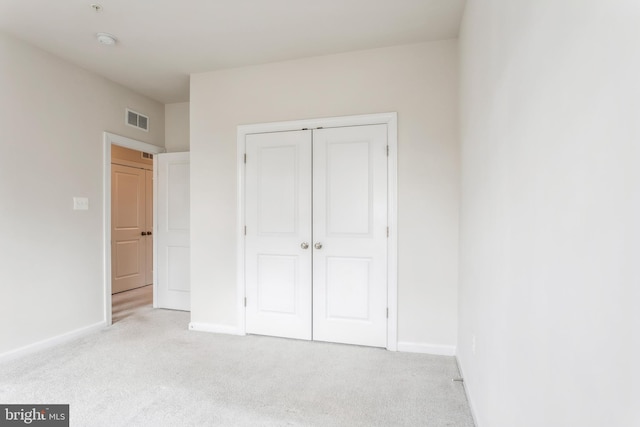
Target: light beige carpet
point(149, 370)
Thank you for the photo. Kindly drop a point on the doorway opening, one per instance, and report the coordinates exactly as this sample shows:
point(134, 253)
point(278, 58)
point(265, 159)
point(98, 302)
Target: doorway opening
point(131, 230)
point(128, 224)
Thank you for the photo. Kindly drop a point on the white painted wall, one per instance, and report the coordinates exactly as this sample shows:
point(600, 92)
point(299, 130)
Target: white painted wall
point(176, 127)
point(550, 214)
point(52, 115)
point(420, 83)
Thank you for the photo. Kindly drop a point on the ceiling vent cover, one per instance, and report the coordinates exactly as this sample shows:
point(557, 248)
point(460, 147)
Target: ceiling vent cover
point(137, 120)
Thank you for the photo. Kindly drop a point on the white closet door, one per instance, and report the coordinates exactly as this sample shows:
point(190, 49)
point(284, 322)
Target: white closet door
point(172, 232)
point(278, 234)
point(350, 235)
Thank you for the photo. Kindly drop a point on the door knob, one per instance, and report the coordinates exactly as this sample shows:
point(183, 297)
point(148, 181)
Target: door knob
point(148, 233)
point(304, 245)
point(318, 245)
point(144, 233)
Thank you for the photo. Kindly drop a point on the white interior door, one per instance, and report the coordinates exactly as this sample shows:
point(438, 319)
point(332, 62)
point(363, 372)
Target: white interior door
point(350, 235)
point(278, 234)
point(172, 231)
point(128, 228)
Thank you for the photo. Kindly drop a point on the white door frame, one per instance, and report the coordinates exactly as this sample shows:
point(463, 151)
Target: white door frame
point(108, 140)
point(391, 120)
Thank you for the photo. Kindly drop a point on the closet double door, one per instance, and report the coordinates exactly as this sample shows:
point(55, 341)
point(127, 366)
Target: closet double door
point(316, 234)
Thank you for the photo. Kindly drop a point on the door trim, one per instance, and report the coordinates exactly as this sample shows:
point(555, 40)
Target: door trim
point(391, 120)
point(109, 139)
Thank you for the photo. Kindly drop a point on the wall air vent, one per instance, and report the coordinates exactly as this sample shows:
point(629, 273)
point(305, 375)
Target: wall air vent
point(137, 120)
point(147, 155)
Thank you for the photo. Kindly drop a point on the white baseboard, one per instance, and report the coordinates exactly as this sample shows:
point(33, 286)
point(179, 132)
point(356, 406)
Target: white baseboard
point(468, 394)
point(216, 329)
point(53, 341)
point(409, 347)
point(436, 349)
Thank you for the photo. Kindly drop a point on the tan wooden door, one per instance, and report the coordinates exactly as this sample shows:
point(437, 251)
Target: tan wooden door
point(149, 226)
point(130, 245)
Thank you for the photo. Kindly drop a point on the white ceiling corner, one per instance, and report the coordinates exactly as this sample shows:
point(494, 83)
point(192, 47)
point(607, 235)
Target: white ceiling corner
point(160, 42)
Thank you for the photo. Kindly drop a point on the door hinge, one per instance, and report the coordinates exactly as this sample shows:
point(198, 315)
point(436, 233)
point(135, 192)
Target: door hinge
point(245, 158)
point(245, 230)
point(245, 301)
point(387, 312)
point(387, 151)
point(387, 231)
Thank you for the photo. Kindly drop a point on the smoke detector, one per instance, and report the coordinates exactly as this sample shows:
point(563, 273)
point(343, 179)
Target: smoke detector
point(106, 39)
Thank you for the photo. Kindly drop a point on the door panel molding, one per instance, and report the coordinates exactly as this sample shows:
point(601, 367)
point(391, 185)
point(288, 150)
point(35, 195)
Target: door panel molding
point(390, 119)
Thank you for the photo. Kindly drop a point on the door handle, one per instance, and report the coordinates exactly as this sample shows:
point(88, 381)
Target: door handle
point(304, 245)
point(148, 233)
point(318, 245)
point(144, 233)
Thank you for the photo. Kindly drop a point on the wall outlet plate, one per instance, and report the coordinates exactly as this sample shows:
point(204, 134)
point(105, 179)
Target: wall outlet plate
point(80, 203)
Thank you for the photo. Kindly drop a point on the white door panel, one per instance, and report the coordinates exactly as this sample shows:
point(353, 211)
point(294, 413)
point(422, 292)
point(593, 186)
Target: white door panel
point(278, 221)
point(277, 296)
point(347, 302)
point(343, 181)
point(350, 222)
point(172, 232)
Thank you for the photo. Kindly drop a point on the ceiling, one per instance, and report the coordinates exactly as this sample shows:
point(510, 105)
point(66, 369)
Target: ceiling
point(160, 42)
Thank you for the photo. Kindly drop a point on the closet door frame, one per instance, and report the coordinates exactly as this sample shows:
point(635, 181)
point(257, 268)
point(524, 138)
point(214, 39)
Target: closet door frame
point(391, 120)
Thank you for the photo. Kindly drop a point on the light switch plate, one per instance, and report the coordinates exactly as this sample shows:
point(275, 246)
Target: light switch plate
point(80, 203)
